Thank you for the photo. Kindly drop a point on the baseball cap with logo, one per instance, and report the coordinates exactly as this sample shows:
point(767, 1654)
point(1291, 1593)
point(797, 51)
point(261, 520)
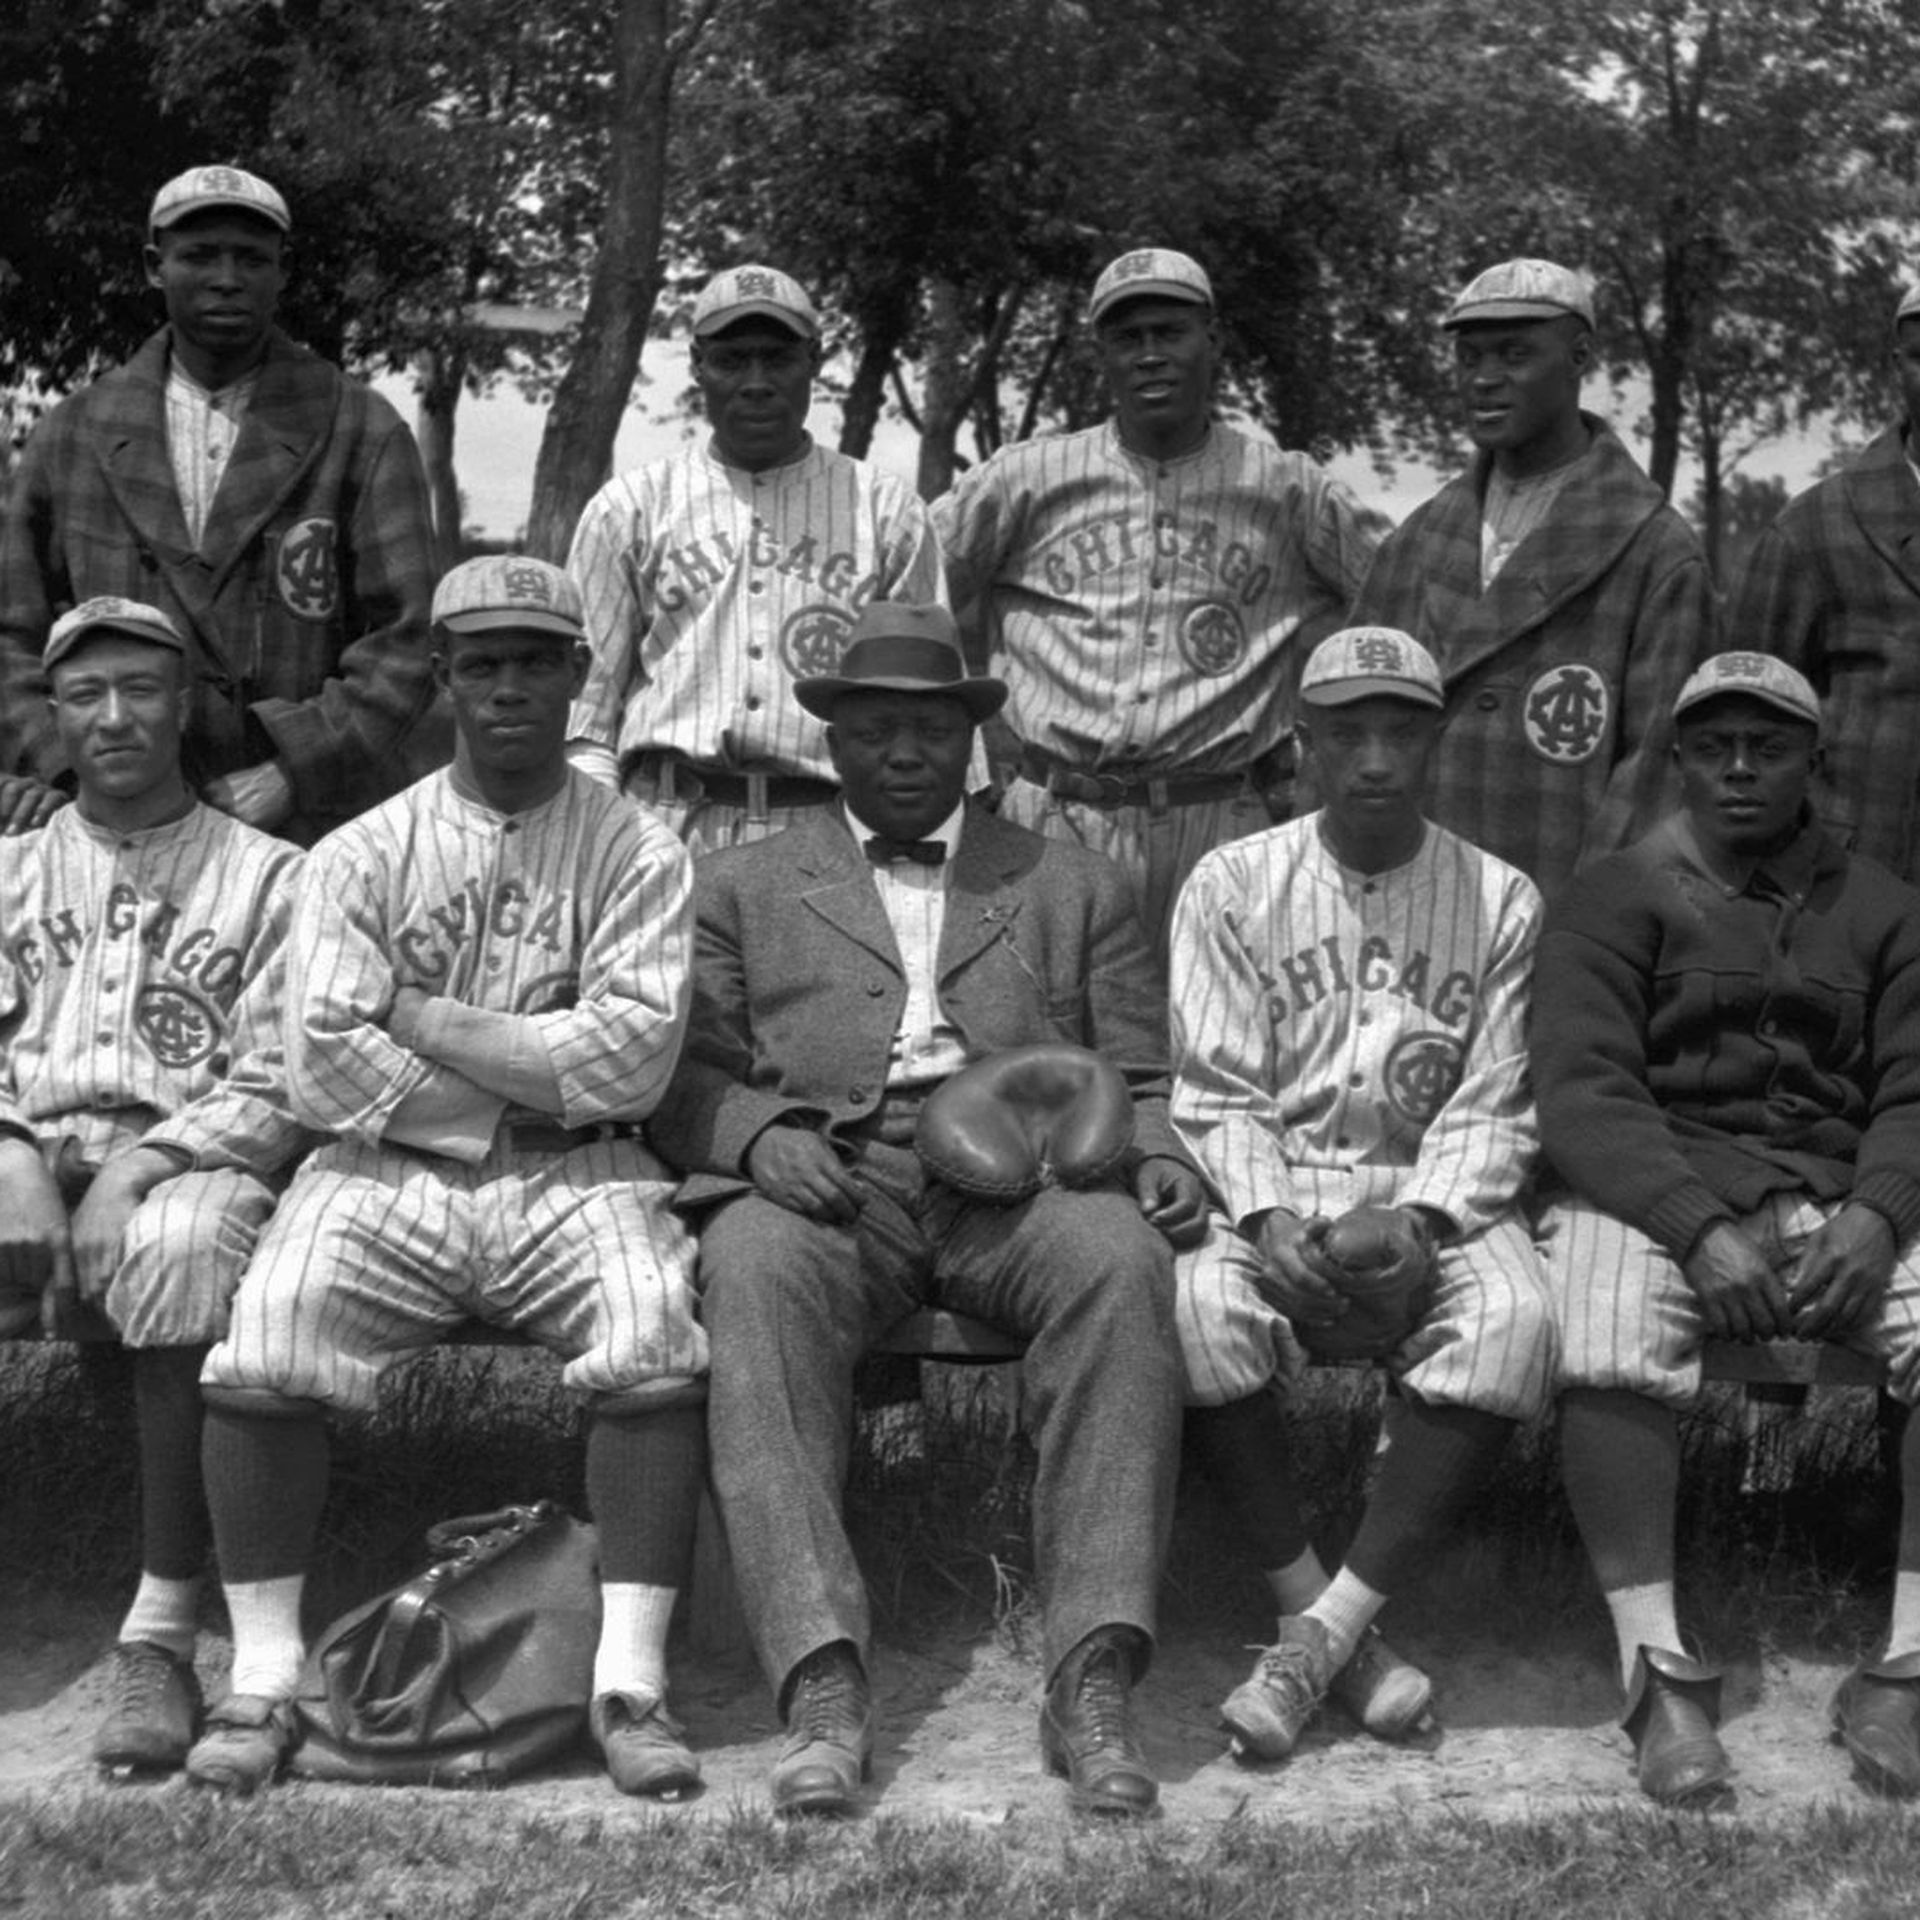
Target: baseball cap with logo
point(754, 293)
point(509, 590)
point(107, 612)
point(1371, 663)
point(203, 189)
point(1155, 271)
point(1759, 676)
point(1523, 290)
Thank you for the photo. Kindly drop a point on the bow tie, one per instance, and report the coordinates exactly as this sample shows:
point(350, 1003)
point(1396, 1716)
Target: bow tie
point(888, 853)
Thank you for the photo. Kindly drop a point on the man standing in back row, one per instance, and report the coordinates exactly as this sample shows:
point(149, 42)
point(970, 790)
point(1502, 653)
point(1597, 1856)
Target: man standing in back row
point(1148, 589)
point(271, 508)
point(1563, 598)
point(715, 578)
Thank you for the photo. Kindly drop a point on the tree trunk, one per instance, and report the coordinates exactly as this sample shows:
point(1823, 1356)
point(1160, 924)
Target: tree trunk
point(946, 387)
point(860, 410)
point(1713, 498)
point(441, 372)
point(576, 447)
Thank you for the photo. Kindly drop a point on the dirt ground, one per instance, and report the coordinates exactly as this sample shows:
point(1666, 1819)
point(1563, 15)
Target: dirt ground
point(1520, 1735)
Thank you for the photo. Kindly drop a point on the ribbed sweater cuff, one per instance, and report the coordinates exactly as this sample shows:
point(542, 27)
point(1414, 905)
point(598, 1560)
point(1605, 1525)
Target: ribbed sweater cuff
point(1679, 1218)
point(1894, 1195)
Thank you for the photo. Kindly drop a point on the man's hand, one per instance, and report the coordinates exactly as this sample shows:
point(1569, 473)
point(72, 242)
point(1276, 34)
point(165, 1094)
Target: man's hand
point(1172, 1199)
point(1843, 1274)
point(26, 803)
point(100, 1220)
point(36, 1253)
point(1297, 1279)
point(403, 1017)
point(796, 1169)
point(1740, 1295)
point(262, 796)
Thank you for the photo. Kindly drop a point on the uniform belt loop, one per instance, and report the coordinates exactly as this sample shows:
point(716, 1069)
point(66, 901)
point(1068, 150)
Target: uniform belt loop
point(1157, 796)
point(757, 798)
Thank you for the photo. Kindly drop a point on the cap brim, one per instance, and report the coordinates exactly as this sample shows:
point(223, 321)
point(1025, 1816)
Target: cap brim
point(1514, 310)
point(1777, 701)
point(1343, 693)
point(754, 310)
point(1148, 290)
point(77, 637)
point(982, 698)
point(175, 215)
point(526, 619)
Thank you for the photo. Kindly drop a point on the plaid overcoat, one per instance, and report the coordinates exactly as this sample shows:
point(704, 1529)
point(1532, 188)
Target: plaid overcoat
point(1834, 586)
point(1561, 677)
point(305, 606)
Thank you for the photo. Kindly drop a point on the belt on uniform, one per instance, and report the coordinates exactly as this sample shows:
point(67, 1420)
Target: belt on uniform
point(1113, 790)
point(546, 1136)
point(677, 779)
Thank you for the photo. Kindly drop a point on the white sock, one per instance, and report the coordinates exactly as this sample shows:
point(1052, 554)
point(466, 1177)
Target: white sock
point(1346, 1610)
point(166, 1612)
point(1643, 1617)
point(267, 1648)
point(1903, 1636)
point(632, 1655)
point(1298, 1584)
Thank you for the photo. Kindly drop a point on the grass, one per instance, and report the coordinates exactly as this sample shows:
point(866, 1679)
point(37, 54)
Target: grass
point(304, 1854)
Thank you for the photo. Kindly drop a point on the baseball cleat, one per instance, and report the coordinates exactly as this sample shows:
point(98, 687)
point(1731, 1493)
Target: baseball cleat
point(246, 1739)
point(155, 1713)
point(1673, 1707)
point(1267, 1712)
point(644, 1746)
point(1387, 1695)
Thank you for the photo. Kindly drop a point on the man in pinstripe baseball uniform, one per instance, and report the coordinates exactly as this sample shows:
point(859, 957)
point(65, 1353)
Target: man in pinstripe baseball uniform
point(1727, 1056)
point(1349, 1010)
point(140, 927)
point(487, 990)
point(1148, 589)
point(714, 579)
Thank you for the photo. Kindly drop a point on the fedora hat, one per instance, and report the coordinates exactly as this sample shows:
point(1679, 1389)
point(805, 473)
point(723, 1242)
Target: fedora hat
point(898, 646)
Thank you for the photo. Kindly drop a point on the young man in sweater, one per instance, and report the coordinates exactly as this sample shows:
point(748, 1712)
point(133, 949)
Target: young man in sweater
point(1726, 1056)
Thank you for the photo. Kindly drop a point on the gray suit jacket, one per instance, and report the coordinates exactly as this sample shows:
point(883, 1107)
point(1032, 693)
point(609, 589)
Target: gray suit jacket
point(798, 986)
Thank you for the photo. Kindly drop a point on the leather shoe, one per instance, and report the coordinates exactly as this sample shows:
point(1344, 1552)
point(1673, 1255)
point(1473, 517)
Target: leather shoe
point(1673, 1707)
point(829, 1747)
point(1876, 1716)
point(1086, 1728)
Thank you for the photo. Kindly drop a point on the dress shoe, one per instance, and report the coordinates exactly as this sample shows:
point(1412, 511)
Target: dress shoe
point(1673, 1707)
point(1876, 1715)
point(644, 1746)
point(1267, 1712)
point(829, 1746)
point(1086, 1728)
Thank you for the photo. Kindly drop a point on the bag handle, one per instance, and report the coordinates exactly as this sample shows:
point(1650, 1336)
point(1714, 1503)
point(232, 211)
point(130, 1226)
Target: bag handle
point(461, 1547)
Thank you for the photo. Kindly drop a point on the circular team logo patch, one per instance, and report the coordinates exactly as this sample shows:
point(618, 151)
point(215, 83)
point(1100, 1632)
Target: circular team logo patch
point(1212, 638)
point(1566, 711)
point(813, 640)
point(179, 1028)
point(549, 993)
point(1422, 1072)
point(305, 573)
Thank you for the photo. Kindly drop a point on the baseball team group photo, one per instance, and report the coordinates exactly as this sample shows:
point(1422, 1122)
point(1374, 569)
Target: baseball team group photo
point(1170, 1155)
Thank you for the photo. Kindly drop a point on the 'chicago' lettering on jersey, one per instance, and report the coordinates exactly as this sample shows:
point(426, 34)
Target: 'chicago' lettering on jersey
point(1093, 548)
point(429, 942)
point(1316, 973)
point(59, 939)
point(692, 570)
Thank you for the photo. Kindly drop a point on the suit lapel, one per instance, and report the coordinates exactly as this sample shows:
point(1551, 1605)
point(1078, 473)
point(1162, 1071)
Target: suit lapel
point(981, 900)
point(1885, 498)
point(836, 883)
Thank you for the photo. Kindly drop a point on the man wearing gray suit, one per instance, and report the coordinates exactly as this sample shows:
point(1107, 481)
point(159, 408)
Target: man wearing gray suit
point(842, 970)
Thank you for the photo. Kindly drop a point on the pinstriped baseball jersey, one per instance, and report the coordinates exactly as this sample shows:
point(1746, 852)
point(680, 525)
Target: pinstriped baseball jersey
point(577, 912)
point(709, 589)
point(134, 972)
point(1151, 616)
point(1344, 1038)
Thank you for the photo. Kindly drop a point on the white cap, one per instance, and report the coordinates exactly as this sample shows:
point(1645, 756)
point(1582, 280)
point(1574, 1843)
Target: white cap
point(1757, 676)
point(1523, 290)
point(754, 293)
point(107, 612)
point(1909, 304)
point(1371, 663)
point(1158, 272)
point(202, 189)
point(509, 590)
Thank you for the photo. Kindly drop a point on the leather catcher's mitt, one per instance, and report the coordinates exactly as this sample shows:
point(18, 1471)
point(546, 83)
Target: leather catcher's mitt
point(1381, 1260)
point(1029, 1117)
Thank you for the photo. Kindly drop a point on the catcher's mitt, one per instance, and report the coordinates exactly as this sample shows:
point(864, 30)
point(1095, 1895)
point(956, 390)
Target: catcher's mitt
point(1031, 1117)
point(1381, 1259)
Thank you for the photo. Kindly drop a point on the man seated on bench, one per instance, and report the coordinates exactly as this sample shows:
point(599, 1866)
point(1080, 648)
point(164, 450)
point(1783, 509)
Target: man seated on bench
point(487, 990)
point(842, 970)
point(1726, 1052)
point(1350, 996)
point(141, 930)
